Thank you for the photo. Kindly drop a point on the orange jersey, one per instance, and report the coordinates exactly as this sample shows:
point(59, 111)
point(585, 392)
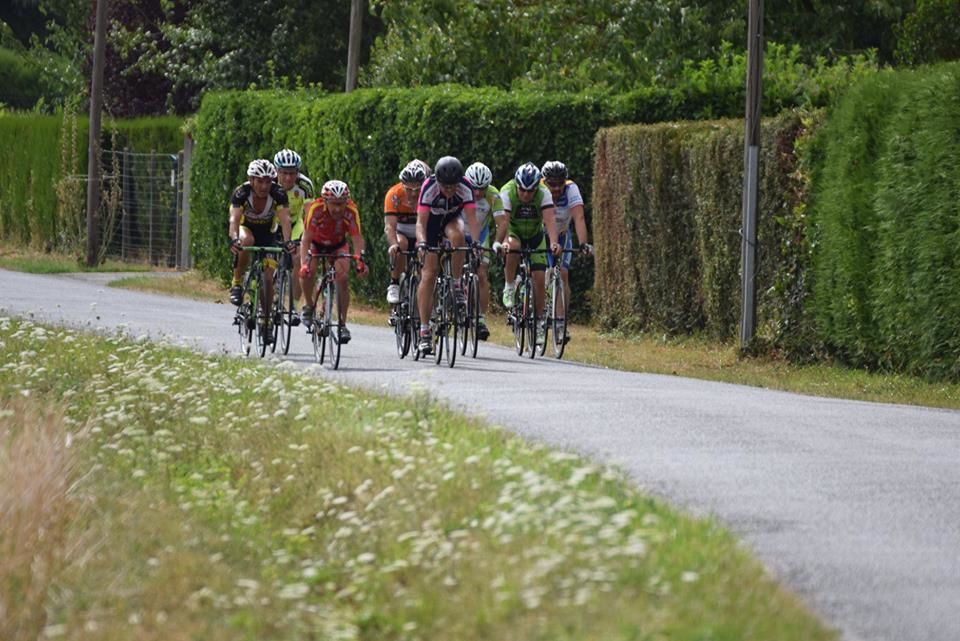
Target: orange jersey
point(395, 204)
point(327, 230)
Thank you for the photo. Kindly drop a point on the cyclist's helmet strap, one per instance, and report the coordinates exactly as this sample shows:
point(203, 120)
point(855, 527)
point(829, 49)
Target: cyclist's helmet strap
point(527, 176)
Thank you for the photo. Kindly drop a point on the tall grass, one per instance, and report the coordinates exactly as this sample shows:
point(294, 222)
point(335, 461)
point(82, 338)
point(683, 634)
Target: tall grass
point(240, 501)
point(36, 472)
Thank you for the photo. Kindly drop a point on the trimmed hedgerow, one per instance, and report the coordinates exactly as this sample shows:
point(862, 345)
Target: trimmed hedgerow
point(668, 237)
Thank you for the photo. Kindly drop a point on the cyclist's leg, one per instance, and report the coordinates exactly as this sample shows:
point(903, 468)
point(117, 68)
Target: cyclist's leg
point(453, 230)
point(538, 265)
point(343, 285)
point(243, 260)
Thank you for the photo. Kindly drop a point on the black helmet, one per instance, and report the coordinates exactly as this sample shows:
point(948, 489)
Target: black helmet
point(449, 171)
point(554, 170)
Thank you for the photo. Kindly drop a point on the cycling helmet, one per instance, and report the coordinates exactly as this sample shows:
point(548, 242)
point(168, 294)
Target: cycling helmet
point(413, 173)
point(527, 176)
point(449, 171)
point(335, 189)
point(261, 168)
point(554, 170)
point(479, 175)
point(427, 169)
point(287, 159)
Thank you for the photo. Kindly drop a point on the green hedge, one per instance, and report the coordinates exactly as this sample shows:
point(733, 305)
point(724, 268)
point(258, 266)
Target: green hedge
point(668, 240)
point(887, 220)
point(35, 157)
point(20, 80)
point(366, 137)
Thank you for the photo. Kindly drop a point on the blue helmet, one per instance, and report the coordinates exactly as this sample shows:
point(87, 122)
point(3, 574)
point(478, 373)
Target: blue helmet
point(527, 176)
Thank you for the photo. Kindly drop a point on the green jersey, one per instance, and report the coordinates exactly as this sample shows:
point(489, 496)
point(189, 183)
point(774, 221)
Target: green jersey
point(526, 219)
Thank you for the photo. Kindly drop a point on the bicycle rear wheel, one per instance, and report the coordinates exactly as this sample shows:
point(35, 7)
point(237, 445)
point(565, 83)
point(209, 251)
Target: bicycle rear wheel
point(413, 326)
point(439, 322)
point(332, 323)
point(558, 321)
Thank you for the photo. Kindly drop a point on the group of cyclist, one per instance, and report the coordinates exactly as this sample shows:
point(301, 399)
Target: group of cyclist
point(534, 211)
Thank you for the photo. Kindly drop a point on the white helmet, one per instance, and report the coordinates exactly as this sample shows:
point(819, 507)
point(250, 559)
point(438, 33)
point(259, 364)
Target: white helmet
point(287, 159)
point(479, 175)
point(335, 189)
point(261, 168)
point(413, 172)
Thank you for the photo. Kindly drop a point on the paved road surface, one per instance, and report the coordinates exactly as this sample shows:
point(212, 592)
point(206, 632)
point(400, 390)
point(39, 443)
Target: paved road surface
point(855, 506)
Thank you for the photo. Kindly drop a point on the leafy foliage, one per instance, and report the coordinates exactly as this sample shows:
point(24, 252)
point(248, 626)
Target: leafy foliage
point(886, 291)
point(668, 243)
point(19, 80)
point(930, 34)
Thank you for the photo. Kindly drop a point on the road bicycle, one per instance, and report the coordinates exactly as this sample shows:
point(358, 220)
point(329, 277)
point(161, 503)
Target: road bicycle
point(555, 318)
point(254, 315)
point(470, 284)
point(522, 317)
point(405, 317)
point(328, 324)
point(444, 317)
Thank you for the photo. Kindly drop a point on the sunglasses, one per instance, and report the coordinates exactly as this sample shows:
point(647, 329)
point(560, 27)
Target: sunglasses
point(553, 185)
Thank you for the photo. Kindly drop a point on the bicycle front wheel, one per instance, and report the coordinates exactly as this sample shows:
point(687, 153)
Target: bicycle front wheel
point(284, 309)
point(263, 328)
point(518, 318)
point(558, 323)
point(439, 321)
point(413, 319)
point(451, 324)
point(332, 323)
point(401, 315)
point(473, 314)
point(530, 318)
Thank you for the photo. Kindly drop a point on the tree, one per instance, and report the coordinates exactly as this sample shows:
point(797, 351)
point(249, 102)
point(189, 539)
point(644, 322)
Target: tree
point(930, 34)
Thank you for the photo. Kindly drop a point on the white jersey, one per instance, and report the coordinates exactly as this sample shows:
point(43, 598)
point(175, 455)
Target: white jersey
point(569, 199)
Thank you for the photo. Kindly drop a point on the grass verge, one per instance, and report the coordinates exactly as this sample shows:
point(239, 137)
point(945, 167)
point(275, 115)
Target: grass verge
point(692, 357)
point(229, 500)
point(25, 260)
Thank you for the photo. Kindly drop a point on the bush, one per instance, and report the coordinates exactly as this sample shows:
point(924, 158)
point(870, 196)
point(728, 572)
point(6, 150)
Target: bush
point(887, 275)
point(668, 244)
point(20, 85)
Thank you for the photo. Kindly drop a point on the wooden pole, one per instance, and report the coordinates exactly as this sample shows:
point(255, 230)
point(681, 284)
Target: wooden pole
point(353, 47)
point(93, 146)
point(751, 162)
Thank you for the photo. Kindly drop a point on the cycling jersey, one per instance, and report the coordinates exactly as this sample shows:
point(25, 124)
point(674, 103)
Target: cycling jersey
point(491, 203)
point(243, 197)
point(569, 198)
point(395, 204)
point(327, 231)
point(443, 210)
point(526, 219)
point(299, 196)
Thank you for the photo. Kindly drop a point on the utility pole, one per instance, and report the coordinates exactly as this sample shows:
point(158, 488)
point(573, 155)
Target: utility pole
point(353, 46)
point(751, 172)
point(93, 146)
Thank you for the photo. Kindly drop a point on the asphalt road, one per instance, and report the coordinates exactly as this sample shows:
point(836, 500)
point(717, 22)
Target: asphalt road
point(855, 506)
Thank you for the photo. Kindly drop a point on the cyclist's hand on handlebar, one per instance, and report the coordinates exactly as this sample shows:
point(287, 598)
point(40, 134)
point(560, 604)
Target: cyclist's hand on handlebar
point(394, 248)
point(236, 246)
point(362, 269)
point(586, 249)
point(498, 247)
point(555, 249)
point(421, 249)
point(291, 246)
point(304, 271)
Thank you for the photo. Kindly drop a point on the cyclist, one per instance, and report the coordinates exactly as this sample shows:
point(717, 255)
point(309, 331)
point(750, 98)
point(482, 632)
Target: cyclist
point(330, 218)
point(400, 221)
point(255, 208)
point(568, 203)
point(299, 190)
point(530, 208)
point(489, 212)
point(445, 201)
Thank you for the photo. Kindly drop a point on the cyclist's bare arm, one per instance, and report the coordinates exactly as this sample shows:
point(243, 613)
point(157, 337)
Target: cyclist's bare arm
point(550, 223)
point(423, 216)
point(235, 214)
point(580, 223)
point(283, 213)
point(470, 213)
point(390, 229)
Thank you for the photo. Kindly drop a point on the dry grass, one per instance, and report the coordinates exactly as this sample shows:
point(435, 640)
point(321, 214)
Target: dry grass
point(35, 511)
